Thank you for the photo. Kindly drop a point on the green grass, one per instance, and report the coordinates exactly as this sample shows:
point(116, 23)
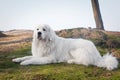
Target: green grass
point(61, 71)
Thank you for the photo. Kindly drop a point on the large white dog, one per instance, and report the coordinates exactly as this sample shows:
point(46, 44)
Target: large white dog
point(48, 48)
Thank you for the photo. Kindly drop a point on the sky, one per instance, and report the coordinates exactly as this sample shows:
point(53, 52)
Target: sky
point(59, 14)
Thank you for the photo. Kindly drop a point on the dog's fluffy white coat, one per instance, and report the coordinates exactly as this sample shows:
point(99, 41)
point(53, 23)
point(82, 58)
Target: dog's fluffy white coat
point(49, 48)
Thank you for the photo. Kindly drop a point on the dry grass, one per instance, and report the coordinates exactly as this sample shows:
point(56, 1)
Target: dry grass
point(14, 40)
point(12, 47)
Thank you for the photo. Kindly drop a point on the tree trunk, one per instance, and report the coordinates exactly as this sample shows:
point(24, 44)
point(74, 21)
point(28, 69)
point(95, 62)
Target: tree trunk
point(97, 14)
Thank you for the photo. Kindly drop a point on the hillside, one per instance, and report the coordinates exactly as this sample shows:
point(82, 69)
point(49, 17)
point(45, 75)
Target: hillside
point(15, 39)
point(99, 37)
point(17, 43)
point(104, 39)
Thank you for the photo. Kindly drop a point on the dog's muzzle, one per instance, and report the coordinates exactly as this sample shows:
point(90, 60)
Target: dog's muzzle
point(39, 35)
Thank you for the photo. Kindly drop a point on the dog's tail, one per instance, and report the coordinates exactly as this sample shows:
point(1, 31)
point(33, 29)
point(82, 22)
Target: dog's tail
point(108, 61)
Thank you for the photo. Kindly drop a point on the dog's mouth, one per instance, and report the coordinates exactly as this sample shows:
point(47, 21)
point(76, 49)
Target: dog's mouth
point(39, 37)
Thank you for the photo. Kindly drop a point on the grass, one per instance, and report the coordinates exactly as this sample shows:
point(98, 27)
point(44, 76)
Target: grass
point(61, 71)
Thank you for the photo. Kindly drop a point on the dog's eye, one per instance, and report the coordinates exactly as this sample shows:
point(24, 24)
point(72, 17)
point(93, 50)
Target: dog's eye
point(44, 29)
point(37, 29)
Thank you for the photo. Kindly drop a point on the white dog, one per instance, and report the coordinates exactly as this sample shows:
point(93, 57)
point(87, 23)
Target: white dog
point(48, 48)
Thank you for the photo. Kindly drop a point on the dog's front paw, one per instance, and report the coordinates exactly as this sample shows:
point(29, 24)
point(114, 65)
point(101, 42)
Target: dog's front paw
point(16, 60)
point(24, 63)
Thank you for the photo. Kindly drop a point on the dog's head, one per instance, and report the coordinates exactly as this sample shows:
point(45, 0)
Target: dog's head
point(44, 32)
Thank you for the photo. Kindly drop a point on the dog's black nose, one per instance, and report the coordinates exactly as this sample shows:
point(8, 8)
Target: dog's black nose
point(39, 33)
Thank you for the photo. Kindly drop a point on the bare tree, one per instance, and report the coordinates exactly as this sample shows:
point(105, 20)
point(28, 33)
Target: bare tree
point(97, 14)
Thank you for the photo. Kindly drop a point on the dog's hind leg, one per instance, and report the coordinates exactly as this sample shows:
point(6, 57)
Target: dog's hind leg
point(79, 56)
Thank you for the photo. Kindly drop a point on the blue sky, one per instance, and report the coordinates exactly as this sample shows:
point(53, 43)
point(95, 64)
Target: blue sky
point(59, 14)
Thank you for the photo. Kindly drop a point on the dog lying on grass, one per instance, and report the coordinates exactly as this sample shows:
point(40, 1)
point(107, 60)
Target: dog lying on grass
point(48, 48)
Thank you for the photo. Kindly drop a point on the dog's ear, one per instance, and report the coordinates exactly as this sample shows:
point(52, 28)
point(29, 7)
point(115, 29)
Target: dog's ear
point(51, 35)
